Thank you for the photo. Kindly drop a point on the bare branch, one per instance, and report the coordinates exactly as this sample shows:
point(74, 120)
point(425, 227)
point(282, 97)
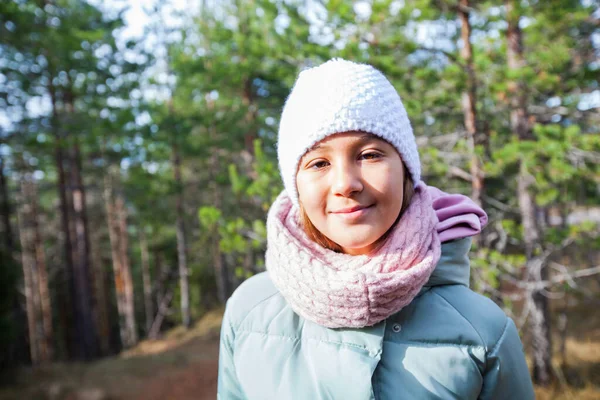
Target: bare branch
point(541, 110)
point(552, 295)
point(499, 205)
point(576, 154)
point(439, 140)
point(577, 274)
point(455, 171)
point(564, 272)
point(452, 157)
point(542, 285)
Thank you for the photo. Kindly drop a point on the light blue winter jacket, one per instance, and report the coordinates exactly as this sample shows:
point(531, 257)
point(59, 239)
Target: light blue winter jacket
point(449, 343)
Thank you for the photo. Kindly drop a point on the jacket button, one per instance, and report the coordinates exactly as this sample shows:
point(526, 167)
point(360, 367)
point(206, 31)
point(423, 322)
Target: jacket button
point(396, 327)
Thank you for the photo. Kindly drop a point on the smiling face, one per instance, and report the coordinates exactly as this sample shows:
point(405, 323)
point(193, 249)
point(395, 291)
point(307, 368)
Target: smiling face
point(351, 187)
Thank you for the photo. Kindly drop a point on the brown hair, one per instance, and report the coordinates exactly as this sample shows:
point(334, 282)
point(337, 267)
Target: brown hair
point(316, 236)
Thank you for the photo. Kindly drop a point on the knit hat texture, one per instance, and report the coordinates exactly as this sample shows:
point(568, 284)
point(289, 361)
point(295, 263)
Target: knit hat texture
point(341, 96)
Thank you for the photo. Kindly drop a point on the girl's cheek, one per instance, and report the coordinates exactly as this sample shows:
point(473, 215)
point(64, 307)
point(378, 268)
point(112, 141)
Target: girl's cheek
point(315, 179)
point(378, 176)
point(309, 186)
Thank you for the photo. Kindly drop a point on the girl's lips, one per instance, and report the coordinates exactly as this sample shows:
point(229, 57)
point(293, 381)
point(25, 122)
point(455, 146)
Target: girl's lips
point(353, 213)
point(349, 209)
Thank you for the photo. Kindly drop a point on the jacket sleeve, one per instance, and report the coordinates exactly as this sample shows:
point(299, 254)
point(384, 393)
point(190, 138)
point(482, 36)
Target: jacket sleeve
point(228, 387)
point(506, 374)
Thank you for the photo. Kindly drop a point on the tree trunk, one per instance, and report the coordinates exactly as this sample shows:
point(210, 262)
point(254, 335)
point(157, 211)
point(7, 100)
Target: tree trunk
point(539, 321)
point(536, 301)
point(221, 273)
point(65, 281)
point(251, 115)
point(114, 233)
point(469, 105)
point(163, 308)
point(36, 277)
point(15, 352)
point(100, 293)
point(8, 239)
point(47, 353)
point(159, 284)
point(116, 259)
point(30, 283)
point(181, 245)
point(126, 272)
point(147, 280)
point(82, 272)
point(517, 90)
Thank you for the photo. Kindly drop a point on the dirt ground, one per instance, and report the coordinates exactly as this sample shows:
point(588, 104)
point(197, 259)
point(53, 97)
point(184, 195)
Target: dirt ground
point(186, 373)
point(182, 365)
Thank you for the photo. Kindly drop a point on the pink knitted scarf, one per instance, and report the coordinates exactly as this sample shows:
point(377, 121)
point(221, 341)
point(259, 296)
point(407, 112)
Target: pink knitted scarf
point(339, 290)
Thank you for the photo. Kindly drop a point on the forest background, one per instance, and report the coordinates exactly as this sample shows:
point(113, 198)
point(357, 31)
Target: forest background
point(136, 172)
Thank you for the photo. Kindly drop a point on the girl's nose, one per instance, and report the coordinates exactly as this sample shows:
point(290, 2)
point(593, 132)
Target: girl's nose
point(346, 180)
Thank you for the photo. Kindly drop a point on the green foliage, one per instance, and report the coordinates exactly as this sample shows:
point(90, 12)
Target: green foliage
point(238, 183)
point(238, 235)
point(266, 185)
point(231, 236)
point(209, 217)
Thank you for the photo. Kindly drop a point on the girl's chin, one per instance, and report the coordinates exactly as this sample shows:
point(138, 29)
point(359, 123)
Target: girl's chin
point(354, 247)
point(356, 237)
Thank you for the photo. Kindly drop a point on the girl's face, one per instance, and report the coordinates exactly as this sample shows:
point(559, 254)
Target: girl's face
point(351, 188)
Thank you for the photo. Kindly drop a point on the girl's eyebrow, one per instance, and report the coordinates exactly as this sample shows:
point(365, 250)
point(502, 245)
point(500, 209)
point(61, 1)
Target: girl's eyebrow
point(367, 137)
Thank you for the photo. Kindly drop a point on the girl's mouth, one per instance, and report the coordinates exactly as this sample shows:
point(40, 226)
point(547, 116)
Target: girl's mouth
point(353, 213)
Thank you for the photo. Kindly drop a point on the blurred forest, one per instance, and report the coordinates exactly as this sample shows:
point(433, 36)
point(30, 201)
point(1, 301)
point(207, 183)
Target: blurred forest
point(136, 173)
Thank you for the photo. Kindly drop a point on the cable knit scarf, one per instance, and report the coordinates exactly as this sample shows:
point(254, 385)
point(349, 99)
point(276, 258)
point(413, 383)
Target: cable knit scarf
point(339, 290)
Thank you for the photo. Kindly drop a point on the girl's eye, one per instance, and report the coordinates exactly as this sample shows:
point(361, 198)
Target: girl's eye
point(319, 165)
point(370, 156)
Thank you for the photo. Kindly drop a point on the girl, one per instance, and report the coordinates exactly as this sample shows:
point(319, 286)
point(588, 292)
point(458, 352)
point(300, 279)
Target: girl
point(366, 292)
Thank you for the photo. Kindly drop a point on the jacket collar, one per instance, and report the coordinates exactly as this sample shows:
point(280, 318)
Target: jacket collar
point(453, 267)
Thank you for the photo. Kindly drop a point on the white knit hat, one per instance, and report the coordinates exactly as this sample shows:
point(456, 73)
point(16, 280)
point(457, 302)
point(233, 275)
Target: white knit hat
point(340, 96)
